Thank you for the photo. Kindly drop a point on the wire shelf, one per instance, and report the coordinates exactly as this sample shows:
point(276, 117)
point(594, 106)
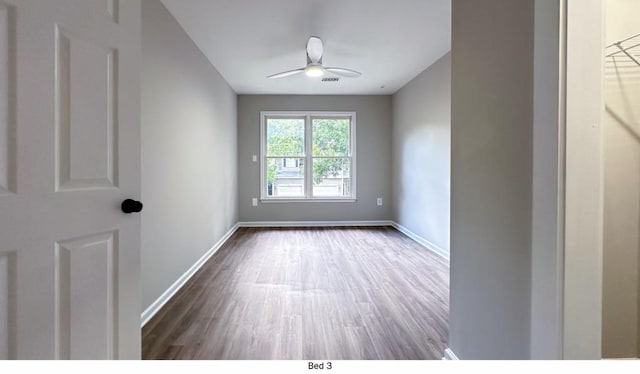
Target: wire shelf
point(628, 48)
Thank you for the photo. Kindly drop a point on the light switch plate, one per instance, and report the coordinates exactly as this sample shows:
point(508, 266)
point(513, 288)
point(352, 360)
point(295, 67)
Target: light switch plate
point(254, 201)
point(379, 201)
point(254, 158)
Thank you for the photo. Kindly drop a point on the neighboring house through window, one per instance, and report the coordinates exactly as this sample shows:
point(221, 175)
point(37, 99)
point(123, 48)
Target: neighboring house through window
point(293, 141)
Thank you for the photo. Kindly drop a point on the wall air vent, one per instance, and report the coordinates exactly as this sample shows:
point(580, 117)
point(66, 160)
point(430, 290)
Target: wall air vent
point(330, 79)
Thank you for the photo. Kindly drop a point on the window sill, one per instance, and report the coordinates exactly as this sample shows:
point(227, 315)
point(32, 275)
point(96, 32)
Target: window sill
point(313, 200)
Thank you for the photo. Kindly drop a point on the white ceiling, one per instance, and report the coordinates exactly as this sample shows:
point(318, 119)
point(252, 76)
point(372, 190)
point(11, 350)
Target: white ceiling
point(389, 41)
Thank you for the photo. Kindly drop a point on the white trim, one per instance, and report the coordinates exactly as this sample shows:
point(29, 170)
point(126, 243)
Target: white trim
point(314, 223)
point(263, 151)
point(583, 181)
point(177, 285)
point(310, 200)
point(308, 161)
point(449, 355)
point(621, 358)
point(422, 241)
point(308, 154)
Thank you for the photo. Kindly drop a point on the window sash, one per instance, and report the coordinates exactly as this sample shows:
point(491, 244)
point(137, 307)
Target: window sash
point(287, 181)
point(284, 117)
point(350, 176)
point(349, 134)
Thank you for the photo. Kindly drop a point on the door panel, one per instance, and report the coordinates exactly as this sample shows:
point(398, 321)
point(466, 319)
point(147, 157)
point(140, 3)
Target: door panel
point(113, 8)
point(70, 117)
point(7, 305)
point(85, 123)
point(86, 264)
point(7, 108)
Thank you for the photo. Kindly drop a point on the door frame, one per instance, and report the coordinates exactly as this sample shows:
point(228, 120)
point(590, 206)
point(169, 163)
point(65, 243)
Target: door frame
point(582, 117)
point(567, 202)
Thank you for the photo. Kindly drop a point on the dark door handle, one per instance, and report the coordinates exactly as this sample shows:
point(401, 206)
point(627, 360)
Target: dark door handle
point(131, 206)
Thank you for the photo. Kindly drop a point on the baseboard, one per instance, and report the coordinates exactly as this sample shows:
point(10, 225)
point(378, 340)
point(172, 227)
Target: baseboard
point(177, 285)
point(449, 355)
point(622, 358)
point(313, 223)
point(422, 241)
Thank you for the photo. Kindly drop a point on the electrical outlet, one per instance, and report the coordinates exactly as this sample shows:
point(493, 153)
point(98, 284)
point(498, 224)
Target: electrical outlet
point(254, 201)
point(379, 201)
point(254, 158)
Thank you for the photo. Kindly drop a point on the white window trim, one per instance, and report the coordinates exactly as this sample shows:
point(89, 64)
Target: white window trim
point(308, 175)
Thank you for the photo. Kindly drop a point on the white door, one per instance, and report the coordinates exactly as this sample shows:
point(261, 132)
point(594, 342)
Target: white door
point(69, 155)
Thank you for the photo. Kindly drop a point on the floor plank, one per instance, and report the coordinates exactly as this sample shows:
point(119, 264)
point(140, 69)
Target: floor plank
point(308, 294)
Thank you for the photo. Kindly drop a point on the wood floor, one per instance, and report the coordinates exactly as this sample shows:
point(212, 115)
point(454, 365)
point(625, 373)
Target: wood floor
point(312, 294)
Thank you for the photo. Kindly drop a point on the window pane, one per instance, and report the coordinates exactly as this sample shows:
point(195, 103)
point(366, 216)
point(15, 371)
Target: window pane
point(285, 177)
point(330, 137)
point(331, 177)
point(285, 136)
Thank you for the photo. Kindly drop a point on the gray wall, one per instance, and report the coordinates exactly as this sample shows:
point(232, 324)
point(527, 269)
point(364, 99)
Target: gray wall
point(621, 188)
point(422, 153)
point(373, 128)
point(491, 178)
point(189, 179)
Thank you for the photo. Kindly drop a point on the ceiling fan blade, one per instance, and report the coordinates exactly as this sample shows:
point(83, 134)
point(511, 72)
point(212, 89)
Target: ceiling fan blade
point(344, 72)
point(314, 49)
point(286, 73)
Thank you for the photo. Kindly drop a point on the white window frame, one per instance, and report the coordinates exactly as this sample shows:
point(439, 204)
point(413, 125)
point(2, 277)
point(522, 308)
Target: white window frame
point(307, 156)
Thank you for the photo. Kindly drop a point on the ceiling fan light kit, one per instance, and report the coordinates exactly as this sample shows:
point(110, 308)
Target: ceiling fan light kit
point(314, 71)
point(314, 66)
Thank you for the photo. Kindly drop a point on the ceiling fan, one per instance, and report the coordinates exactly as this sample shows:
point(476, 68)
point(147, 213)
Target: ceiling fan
point(314, 66)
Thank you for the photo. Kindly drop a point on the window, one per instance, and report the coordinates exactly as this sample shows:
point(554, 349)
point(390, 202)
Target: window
point(307, 156)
